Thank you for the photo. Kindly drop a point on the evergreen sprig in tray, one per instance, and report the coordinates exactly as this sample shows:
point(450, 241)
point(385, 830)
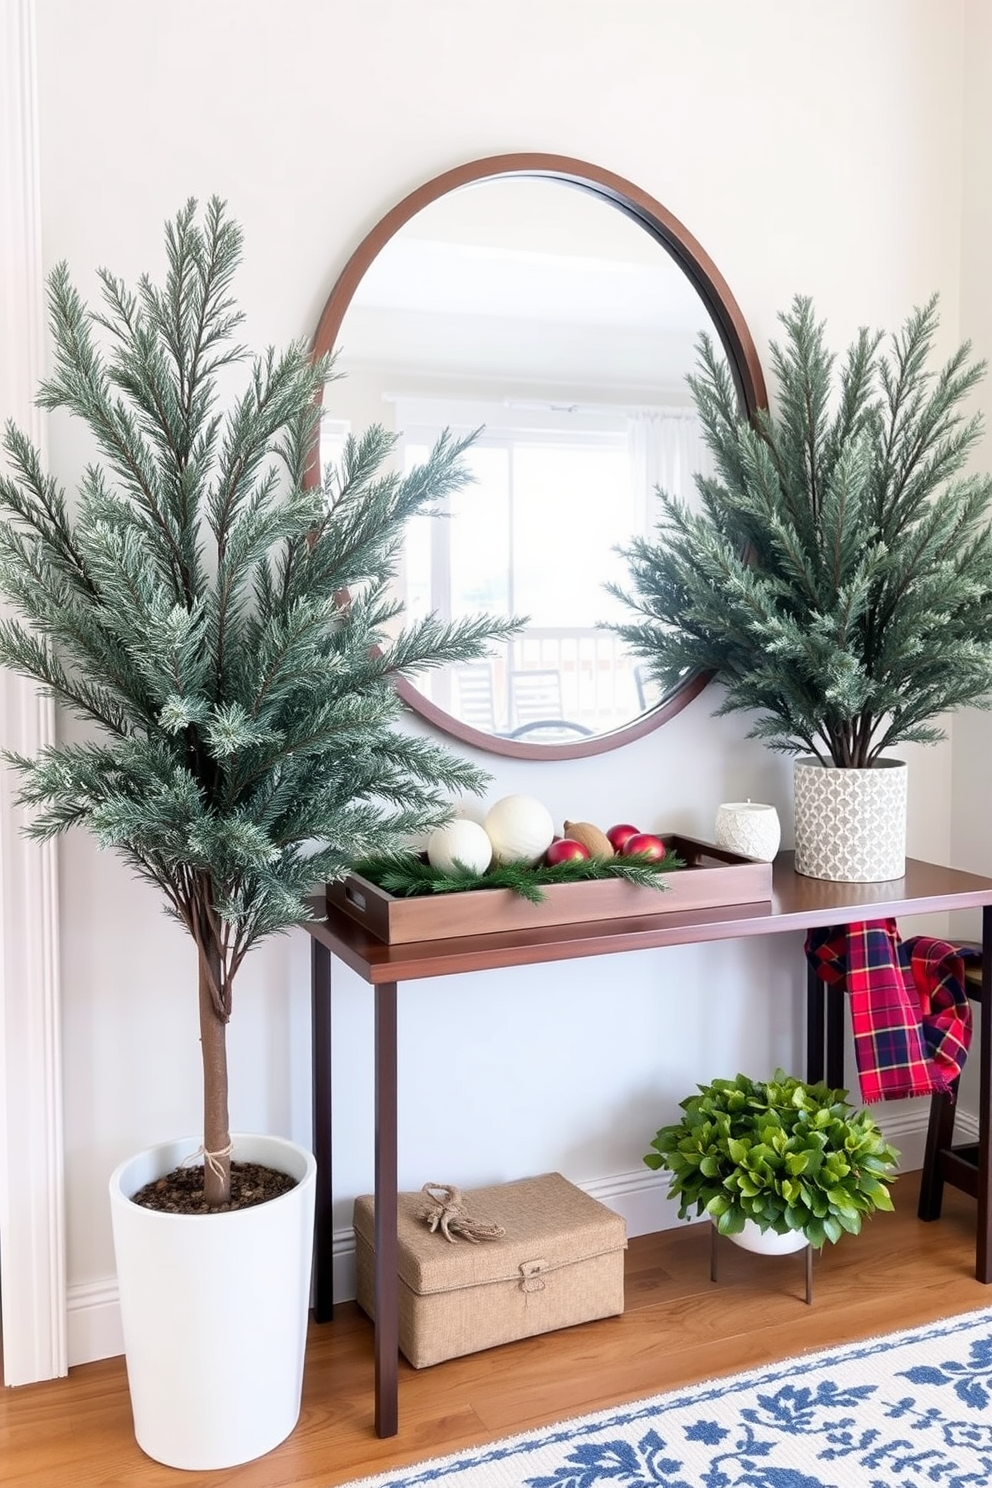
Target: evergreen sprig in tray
point(425, 908)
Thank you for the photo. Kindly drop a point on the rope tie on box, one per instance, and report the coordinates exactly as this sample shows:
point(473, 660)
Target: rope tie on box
point(211, 1160)
point(446, 1212)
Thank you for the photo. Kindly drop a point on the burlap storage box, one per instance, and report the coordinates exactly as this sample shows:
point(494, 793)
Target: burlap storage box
point(560, 1262)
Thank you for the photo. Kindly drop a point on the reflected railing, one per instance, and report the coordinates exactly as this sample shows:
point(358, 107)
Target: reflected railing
point(552, 682)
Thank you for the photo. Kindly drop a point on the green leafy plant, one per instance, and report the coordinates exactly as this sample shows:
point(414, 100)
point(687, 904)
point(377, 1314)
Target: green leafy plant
point(785, 1154)
point(219, 620)
point(837, 574)
point(406, 875)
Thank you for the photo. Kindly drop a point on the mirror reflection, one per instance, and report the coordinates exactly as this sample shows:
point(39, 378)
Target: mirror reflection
point(539, 313)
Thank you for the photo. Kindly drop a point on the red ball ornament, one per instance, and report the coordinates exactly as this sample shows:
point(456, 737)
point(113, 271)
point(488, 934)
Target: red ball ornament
point(565, 850)
point(645, 845)
point(620, 834)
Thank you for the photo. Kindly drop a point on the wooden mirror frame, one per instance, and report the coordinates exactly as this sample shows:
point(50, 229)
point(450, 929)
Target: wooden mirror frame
point(723, 309)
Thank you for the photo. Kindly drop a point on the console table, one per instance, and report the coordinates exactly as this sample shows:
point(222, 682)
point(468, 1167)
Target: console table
point(797, 904)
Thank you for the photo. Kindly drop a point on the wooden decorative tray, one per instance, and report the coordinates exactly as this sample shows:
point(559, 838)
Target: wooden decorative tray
point(712, 876)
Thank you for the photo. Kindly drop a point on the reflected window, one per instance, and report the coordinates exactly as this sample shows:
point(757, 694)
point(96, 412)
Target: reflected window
point(556, 491)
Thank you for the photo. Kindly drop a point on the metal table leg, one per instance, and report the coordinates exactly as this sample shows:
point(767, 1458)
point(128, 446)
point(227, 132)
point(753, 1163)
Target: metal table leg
point(387, 1320)
point(320, 1014)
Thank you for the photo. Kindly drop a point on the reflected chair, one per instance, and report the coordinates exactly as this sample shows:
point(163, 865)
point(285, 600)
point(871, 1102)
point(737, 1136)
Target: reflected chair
point(475, 702)
point(942, 1161)
point(648, 691)
point(536, 706)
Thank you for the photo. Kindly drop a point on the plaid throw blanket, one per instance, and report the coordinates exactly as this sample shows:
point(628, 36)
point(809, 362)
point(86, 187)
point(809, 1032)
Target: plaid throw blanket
point(909, 1008)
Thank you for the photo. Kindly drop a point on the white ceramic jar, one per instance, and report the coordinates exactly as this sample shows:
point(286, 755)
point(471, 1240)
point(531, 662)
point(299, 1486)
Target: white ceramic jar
point(750, 828)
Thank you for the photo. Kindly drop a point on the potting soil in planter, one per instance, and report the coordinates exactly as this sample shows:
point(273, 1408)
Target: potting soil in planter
point(181, 1191)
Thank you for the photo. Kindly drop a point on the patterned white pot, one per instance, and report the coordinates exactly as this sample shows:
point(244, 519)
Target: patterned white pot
point(850, 824)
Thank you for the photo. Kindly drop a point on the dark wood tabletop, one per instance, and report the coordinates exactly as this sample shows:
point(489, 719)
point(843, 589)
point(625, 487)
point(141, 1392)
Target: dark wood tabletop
point(797, 903)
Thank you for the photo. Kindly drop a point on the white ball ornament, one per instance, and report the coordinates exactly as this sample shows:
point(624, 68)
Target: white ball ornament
point(520, 828)
point(459, 841)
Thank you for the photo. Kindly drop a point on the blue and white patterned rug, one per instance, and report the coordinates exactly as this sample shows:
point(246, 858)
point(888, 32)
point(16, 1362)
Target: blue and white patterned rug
point(911, 1410)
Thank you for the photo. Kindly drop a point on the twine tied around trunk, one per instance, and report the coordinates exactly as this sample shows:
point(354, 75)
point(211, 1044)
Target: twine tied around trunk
point(211, 1160)
point(446, 1212)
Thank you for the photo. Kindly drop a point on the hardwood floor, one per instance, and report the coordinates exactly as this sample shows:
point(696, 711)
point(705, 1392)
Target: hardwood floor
point(677, 1328)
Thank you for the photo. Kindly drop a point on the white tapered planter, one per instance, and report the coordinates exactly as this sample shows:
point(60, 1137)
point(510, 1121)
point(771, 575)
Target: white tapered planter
point(850, 824)
point(214, 1309)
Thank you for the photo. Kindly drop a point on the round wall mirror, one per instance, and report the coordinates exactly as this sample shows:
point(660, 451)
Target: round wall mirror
point(555, 309)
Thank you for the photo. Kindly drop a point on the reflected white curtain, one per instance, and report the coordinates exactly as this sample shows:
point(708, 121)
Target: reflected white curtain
point(667, 450)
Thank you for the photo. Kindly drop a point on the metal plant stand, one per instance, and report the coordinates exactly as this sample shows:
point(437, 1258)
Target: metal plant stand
point(807, 1252)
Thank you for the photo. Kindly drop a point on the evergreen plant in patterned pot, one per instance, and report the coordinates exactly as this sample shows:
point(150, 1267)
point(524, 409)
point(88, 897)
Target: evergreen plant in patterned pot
point(224, 629)
point(835, 573)
point(777, 1161)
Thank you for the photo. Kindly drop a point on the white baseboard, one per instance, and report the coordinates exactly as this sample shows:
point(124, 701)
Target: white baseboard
point(907, 1131)
point(94, 1327)
point(94, 1322)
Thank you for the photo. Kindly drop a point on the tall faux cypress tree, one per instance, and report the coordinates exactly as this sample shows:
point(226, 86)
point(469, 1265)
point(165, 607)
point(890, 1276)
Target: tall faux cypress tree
point(221, 622)
point(836, 574)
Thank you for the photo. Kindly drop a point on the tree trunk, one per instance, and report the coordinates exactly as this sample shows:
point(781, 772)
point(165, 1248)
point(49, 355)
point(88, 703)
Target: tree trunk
point(216, 1121)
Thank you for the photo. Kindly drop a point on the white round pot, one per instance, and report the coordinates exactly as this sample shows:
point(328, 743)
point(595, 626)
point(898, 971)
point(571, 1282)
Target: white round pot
point(768, 1242)
point(850, 824)
point(214, 1309)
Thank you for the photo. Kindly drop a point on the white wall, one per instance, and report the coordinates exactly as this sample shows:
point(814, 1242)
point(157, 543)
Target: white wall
point(809, 148)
